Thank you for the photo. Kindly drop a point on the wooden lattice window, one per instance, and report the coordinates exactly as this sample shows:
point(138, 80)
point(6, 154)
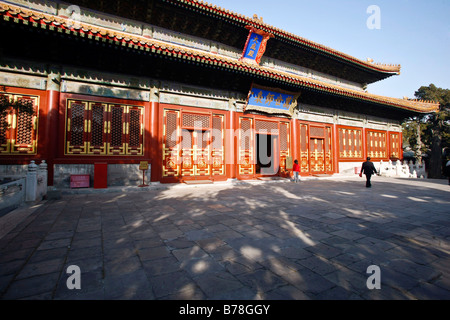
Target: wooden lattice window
point(171, 154)
point(246, 158)
point(135, 128)
point(246, 134)
point(350, 143)
point(284, 137)
point(18, 130)
point(195, 121)
point(395, 145)
point(304, 148)
point(266, 126)
point(103, 129)
point(217, 145)
point(317, 132)
point(376, 144)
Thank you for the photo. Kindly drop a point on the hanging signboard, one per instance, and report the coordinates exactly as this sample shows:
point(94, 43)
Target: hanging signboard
point(271, 100)
point(255, 46)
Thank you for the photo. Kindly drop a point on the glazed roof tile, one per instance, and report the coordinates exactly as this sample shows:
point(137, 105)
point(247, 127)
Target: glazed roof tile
point(258, 23)
point(158, 47)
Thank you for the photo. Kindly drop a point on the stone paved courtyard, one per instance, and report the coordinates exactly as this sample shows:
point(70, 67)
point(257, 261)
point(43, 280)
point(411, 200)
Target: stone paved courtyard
point(247, 240)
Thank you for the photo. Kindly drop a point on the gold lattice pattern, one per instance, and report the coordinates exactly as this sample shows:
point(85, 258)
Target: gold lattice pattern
point(317, 132)
point(171, 128)
point(199, 151)
point(116, 126)
point(18, 131)
point(246, 134)
point(191, 120)
point(217, 132)
point(104, 129)
point(267, 126)
point(97, 125)
point(284, 137)
point(77, 124)
point(3, 128)
point(135, 128)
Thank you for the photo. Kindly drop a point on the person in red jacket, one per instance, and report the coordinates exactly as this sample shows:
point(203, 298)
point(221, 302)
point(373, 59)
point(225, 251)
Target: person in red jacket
point(296, 169)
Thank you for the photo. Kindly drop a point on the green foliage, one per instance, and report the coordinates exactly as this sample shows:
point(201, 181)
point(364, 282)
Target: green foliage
point(430, 134)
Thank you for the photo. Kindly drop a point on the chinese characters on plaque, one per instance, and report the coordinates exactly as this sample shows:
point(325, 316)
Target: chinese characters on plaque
point(255, 46)
point(271, 100)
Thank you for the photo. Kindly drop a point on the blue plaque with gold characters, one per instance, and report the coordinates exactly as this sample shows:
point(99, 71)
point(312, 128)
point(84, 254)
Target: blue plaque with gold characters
point(271, 100)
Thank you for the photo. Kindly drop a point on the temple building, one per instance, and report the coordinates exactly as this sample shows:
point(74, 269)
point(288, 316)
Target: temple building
point(196, 91)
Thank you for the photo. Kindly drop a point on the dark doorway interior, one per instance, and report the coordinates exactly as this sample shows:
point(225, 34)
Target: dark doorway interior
point(266, 154)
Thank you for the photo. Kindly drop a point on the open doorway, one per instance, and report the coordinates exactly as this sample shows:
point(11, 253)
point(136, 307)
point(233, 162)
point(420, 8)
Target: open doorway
point(266, 154)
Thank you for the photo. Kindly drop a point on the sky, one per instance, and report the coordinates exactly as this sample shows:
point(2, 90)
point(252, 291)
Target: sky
point(412, 33)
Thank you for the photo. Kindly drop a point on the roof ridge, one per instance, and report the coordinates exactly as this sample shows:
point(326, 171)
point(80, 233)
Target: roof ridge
point(58, 21)
point(382, 67)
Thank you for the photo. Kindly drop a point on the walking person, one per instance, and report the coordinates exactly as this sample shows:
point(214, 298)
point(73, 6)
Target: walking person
point(368, 169)
point(296, 169)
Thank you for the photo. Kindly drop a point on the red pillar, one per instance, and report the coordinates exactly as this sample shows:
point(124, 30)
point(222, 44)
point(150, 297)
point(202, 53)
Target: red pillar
point(231, 144)
point(364, 142)
point(335, 148)
point(155, 143)
point(52, 122)
point(294, 139)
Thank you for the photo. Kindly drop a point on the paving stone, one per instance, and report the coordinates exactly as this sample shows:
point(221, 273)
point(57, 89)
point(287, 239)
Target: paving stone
point(412, 269)
point(211, 244)
point(161, 266)
point(52, 244)
point(171, 283)
point(216, 285)
point(242, 247)
point(350, 235)
point(324, 250)
point(428, 291)
point(261, 280)
point(122, 267)
point(319, 265)
point(31, 286)
point(337, 293)
point(180, 243)
point(41, 268)
point(194, 235)
point(169, 235)
point(240, 266)
point(198, 267)
point(295, 253)
point(153, 253)
point(307, 281)
point(280, 265)
point(194, 252)
point(287, 292)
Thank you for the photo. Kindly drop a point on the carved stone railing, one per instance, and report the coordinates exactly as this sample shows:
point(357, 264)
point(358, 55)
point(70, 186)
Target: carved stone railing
point(402, 169)
point(36, 182)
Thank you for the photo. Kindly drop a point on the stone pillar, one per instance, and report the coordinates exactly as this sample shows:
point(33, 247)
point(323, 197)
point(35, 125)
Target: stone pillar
point(31, 182)
point(42, 180)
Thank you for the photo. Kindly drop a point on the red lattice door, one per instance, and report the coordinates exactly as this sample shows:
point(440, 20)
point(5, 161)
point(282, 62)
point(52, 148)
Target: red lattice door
point(317, 160)
point(246, 146)
point(171, 147)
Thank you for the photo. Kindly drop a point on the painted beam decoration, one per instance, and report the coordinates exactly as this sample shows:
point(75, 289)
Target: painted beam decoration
point(271, 100)
point(255, 46)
